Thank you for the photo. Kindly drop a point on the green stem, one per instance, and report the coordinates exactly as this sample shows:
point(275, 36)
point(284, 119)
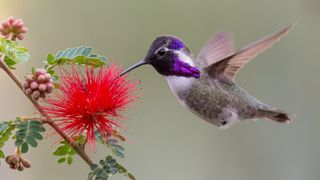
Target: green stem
point(25, 118)
point(48, 119)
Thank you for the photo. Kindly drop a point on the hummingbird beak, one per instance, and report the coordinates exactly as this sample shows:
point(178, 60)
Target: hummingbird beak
point(138, 64)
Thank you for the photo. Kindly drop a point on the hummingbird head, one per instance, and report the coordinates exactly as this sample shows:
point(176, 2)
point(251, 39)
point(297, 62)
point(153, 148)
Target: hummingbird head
point(170, 57)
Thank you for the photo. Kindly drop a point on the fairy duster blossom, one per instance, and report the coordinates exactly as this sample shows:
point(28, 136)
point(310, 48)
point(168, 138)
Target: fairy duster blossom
point(89, 102)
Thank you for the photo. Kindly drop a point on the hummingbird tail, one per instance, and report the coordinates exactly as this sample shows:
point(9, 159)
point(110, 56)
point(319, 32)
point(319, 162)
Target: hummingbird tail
point(276, 115)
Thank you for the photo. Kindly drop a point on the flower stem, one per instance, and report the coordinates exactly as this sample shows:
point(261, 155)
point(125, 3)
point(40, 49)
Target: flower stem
point(48, 119)
point(40, 119)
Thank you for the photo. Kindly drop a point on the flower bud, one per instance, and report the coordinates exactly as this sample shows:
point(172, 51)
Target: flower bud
point(42, 87)
point(36, 94)
point(14, 28)
point(33, 85)
point(20, 167)
point(49, 85)
point(29, 78)
point(49, 89)
point(38, 84)
point(25, 85)
point(28, 91)
point(13, 166)
point(47, 76)
point(25, 163)
point(15, 159)
point(41, 78)
point(9, 159)
point(40, 72)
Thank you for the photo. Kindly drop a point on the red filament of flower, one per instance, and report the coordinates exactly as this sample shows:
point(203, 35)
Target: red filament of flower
point(91, 101)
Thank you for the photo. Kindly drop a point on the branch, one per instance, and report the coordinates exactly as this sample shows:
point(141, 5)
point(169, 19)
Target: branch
point(48, 119)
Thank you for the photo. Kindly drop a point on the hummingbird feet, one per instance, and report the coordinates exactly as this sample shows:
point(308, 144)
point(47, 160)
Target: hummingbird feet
point(227, 117)
point(224, 122)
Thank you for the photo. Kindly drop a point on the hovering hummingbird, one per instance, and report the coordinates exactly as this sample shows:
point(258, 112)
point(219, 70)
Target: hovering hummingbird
point(206, 85)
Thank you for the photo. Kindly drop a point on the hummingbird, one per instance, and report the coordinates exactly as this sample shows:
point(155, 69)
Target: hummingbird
point(206, 85)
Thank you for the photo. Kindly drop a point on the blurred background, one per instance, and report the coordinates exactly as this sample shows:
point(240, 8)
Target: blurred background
point(165, 140)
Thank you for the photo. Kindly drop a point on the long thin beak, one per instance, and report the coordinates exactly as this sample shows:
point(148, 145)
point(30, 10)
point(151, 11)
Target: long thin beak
point(138, 64)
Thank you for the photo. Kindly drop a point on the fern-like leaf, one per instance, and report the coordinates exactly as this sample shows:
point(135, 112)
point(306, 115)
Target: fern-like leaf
point(28, 134)
point(79, 55)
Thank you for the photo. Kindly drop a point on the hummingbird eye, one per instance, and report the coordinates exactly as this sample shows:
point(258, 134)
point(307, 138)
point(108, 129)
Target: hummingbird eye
point(162, 52)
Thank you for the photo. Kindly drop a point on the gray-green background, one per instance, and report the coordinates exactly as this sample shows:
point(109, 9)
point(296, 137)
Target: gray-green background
point(165, 140)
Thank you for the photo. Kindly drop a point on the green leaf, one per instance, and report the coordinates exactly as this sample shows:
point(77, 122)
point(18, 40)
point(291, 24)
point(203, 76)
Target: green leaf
point(31, 141)
point(24, 147)
point(66, 152)
point(21, 134)
point(117, 147)
point(90, 176)
point(113, 144)
point(50, 58)
point(37, 128)
point(28, 133)
point(78, 55)
point(10, 62)
point(61, 150)
point(36, 123)
point(18, 142)
point(124, 172)
point(6, 129)
point(113, 141)
point(61, 160)
point(33, 70)
point(36, 135)
point(108, 166)
point(14, 53)
point(69, 159)
point(118, 153)
point(2, 154)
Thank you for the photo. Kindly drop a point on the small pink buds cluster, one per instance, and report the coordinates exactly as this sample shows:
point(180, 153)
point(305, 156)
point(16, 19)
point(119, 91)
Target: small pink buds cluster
point(17, 162)
point(38, 84)
point(13, 28)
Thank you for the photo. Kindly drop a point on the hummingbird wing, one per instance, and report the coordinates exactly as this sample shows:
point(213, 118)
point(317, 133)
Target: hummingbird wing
point(231, 65)
point(219, 47)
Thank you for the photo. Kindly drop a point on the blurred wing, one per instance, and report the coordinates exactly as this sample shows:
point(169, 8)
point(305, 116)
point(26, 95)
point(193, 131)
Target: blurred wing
point(217, 48)
point(230, 66)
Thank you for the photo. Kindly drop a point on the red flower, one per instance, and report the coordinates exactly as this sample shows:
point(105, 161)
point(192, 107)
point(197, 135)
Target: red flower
point(89, 102)
point(13, 27)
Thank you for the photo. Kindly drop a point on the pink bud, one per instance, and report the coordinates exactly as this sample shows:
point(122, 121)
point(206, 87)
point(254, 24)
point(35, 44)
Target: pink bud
point(23, 30)
point(42, 87)
point(25, 85)
point(5, 25)
point(41, 78)
point(40, 72)
point(49, 87)
point(36, 94)
point(13, 28)
point(47, 76)
point(28, 91)
point(29, 78)
point(18, 23)
point(11, 20)
point(33, 85)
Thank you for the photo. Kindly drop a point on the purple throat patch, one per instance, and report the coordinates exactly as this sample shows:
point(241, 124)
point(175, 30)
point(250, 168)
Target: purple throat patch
point(180, 68)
